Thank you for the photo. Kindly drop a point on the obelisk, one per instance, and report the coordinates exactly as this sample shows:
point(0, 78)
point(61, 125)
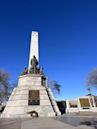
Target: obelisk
point(34, 51)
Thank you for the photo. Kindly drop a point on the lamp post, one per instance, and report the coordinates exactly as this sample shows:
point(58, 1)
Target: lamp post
point(89, 90)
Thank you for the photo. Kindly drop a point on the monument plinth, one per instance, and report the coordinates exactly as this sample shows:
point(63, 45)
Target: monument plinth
point(31, 97)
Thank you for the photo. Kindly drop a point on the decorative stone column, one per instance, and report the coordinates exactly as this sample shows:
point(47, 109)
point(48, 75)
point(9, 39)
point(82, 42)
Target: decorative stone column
point(67, 106)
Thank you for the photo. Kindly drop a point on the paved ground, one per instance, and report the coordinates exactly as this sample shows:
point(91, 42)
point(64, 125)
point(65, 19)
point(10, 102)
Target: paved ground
point(79, 121)
point(65, 122)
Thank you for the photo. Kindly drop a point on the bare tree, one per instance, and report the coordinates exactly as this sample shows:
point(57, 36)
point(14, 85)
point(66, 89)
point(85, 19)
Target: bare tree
point(4, 85)
point(55, 86)
point(92, 78)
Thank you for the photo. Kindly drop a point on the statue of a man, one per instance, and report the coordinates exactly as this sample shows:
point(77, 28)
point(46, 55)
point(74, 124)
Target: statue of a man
point(34, 63)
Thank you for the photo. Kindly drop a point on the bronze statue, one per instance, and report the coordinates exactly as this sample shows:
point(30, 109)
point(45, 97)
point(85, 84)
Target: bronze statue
point(41, 71)
point(25, 71)
point(34, 63)
point(34, 69)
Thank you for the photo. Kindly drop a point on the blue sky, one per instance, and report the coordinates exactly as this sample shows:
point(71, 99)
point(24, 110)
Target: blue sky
point(67, 40)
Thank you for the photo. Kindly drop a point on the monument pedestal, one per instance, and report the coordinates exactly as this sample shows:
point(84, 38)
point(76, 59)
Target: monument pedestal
point(22, 104)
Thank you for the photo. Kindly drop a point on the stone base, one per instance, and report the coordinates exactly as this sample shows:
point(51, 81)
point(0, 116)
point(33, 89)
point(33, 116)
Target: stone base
point(17, 106)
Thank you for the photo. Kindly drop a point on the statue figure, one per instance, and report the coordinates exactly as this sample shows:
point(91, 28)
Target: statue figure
point(35, 69)
point(25, 71)
point(34, 63)
point(41, 71)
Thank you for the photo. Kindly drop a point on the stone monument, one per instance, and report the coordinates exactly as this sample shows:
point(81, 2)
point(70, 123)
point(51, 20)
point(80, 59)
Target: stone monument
point(31, 97)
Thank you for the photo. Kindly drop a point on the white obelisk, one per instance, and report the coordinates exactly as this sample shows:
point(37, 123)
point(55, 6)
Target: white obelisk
point(34, 47)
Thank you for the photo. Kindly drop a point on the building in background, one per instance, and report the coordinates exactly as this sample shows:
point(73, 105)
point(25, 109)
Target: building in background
point(84, 104)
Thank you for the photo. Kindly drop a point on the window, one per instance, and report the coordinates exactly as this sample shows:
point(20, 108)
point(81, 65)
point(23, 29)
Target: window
point(34, 97)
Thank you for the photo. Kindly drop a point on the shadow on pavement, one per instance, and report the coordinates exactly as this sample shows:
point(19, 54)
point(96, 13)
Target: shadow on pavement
point(89, 123)
point(78, 121)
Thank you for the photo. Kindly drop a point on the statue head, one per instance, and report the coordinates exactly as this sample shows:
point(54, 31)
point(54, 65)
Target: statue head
point(34, 57)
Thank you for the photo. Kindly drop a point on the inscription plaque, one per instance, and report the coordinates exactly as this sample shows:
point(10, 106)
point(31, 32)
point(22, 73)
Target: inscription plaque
point(34, 97)
point(84, 103)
